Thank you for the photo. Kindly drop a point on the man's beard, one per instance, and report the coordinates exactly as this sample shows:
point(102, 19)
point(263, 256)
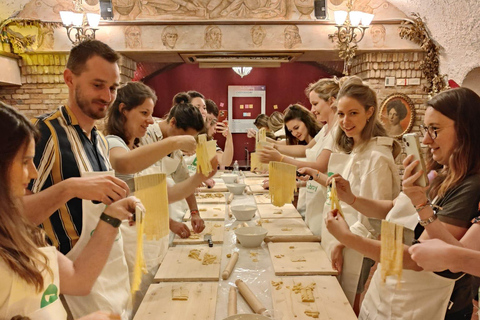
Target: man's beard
point(83, 104)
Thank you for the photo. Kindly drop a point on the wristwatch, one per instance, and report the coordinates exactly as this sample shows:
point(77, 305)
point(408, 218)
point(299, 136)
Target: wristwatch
point(114, 222)
point(426, 222)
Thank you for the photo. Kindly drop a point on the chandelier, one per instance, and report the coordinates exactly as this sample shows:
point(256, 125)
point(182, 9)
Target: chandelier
point(351, 26)
point(79, 26)
point(242, 71)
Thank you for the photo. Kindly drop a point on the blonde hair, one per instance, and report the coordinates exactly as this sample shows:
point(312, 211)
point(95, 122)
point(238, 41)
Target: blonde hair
point(275, 121)
point(353, 87)
point(325, 88)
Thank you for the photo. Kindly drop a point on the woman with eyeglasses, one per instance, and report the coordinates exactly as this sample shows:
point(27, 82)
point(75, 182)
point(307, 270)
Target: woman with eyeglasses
point(444, 211)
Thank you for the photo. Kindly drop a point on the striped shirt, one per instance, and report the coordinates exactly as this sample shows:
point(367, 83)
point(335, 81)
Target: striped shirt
point(64, 151)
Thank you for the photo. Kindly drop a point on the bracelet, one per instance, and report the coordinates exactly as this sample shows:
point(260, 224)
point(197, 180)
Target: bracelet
point(114, 222)
point(426, 222)
point(420, 207)
point(194, 211)
point(475, 220)
point(354, 199)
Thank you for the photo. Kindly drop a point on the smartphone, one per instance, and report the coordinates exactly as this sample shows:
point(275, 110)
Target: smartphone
point(222, 115)
point(412, 146)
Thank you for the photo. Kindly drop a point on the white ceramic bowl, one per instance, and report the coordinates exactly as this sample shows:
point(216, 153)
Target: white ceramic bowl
point(236, 188)
point(243, 212)
point(251, 237)
point(229, 177)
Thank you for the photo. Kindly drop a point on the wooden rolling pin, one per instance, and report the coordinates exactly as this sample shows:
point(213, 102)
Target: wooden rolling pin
point(293, 238)
point(250, 297)
point(230, 198)
point(230, 265)
point(232, 302)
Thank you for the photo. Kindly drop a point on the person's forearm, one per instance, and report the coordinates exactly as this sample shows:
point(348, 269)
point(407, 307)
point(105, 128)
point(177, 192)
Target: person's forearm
point(143, 157)
point(192, 202)
point(40, 206)
point(371, 248)
point(79, 279)
point(300, 164)
point(291, 150)
point(185, 188)
point(227, 157)
point(465, 260)
point(377, 209)
point(436, 229)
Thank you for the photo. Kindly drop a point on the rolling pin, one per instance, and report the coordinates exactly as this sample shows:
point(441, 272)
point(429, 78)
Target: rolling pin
point(230, 198)
point(230, 265)
point(293, 238)
point(232, 302)
point(251, 299)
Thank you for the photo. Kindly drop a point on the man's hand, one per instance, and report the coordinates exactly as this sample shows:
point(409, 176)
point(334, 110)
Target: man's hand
point(186, 143)
point(106, 189)
point(198, 225)
point(180, 229)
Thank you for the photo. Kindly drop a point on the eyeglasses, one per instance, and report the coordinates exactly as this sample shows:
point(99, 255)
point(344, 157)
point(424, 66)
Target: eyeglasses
point(431, 130)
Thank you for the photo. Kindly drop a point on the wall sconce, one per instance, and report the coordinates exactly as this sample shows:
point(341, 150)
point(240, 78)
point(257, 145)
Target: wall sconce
point(78, 27)
point(242, 71)
point(351, 26)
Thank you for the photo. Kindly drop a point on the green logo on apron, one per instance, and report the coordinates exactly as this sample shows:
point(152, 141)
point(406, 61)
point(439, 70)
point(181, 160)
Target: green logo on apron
point(194, 163)
point(49, 296)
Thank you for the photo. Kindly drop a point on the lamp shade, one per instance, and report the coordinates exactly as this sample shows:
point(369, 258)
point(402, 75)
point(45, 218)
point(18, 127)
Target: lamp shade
point(77, 19)
point(67, 17)
point(367, 19)
point(340, 17)
point(242, 71)
point(355, 17)
point(93, 19)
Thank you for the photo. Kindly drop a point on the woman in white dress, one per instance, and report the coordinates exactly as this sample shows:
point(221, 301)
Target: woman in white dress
point(34, 274)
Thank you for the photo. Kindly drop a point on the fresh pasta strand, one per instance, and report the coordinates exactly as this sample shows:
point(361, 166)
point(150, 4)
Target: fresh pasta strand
point(205, 152)
point(140, 267)
point(282, 182)
point(334, 202)
point(391, 253)
point(260, 142)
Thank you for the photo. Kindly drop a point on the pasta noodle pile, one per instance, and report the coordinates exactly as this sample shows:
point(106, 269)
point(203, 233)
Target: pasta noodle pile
point(391, 253)
point(334, 202)
point(140, 266)
point(282, 182)
point(205, 152)
point(260, 141)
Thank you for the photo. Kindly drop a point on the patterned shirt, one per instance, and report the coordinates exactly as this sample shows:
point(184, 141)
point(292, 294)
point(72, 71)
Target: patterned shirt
point(64, 151)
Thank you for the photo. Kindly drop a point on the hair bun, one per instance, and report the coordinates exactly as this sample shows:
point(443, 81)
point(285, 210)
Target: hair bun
point(349, 80)
point(181, 97)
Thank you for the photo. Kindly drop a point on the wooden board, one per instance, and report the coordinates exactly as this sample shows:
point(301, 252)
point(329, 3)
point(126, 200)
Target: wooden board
point(262, 198)
point(330, 301)
point(269, 211)
point(218, 187)
point(249, 174)
point(158, 303)
point(256, 180)
point(209, 211)
point(178, 266)
point(299, 258)
point(288, 226)
point(210, 197)
point(215, 228)
point(256, 188)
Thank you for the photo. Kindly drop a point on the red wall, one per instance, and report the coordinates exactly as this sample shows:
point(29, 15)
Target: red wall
point(284, 86)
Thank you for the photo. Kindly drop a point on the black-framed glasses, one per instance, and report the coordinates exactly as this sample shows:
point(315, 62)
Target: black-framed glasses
point(431, 130)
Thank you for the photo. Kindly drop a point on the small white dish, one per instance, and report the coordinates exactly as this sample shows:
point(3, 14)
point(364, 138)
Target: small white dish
point(251, 237)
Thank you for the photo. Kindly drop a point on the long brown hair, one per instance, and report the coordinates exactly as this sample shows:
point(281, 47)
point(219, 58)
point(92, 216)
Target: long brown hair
point(19, 238)
point(296, 111)
point(353, 87)
point(462, 105)
point(131, 95)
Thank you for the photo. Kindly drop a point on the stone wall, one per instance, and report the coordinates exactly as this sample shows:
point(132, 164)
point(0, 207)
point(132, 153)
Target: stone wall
point(375, 66)
point(43, 87)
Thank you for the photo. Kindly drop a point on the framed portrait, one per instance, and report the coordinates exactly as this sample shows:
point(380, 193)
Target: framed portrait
point(397, 114)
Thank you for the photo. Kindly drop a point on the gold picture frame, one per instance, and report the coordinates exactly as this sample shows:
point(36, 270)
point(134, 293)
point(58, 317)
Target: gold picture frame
point(397, 114)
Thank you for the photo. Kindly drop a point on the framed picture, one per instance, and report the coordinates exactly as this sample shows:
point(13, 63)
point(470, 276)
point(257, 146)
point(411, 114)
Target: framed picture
point(397, 114)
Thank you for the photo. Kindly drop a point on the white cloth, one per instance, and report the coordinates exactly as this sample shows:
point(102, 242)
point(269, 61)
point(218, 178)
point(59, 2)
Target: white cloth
point(17, 297)
point(421, 294)
point(372, 174)
point(111, 291)
point(315, 192)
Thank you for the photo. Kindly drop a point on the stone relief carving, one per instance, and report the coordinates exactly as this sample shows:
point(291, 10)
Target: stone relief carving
point(133, 37)
point(292, 37)
point(213, 37)
point(305, 7)
point(46, 39)
point(378, 32)
point(258, 34)
point(169, 37)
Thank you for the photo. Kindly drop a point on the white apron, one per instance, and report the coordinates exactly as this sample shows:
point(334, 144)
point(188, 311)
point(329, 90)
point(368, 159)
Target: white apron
point(352, 260)
point(423, 295)
point(26, 301)
point(111, 291)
